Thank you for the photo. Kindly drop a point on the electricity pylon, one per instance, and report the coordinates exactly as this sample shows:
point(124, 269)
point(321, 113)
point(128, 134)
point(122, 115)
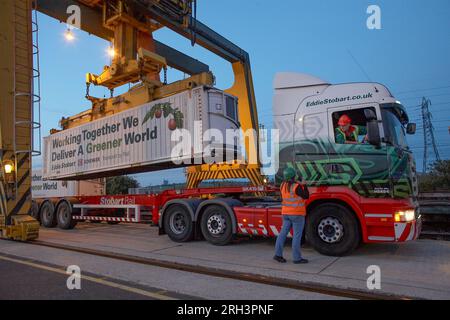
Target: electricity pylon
point(428, 134)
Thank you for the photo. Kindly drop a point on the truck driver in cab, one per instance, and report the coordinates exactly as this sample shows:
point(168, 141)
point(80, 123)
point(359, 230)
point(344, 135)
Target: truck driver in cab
point(347, 133)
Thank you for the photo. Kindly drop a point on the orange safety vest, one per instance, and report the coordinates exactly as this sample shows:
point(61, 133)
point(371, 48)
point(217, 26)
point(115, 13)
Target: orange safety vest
point(292, 204)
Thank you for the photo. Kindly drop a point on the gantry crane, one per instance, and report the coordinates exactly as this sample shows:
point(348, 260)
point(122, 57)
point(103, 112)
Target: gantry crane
point(129, 25)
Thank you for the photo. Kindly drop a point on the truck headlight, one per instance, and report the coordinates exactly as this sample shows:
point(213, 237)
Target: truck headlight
point(405, 216)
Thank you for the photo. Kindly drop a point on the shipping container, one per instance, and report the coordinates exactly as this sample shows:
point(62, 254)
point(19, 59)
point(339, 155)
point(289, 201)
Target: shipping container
point(165, 133)
point(45, 189)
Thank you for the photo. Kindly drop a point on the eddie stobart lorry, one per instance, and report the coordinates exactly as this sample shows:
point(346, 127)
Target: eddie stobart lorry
point(359, 192)
point(364, 192)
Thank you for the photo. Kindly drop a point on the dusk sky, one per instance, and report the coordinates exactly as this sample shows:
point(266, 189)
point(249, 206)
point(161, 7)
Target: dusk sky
point(328, 39)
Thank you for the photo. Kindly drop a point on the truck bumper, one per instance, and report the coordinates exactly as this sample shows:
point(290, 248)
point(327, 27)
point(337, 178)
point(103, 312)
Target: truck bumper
point(396, 232)
point(408, 231)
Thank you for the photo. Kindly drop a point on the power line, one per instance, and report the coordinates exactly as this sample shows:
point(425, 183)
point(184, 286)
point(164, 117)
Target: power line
point(420, 90)
point(436, 121)
point(359, 65)
point(434, 104)
point(447, 148)
point(433, 95)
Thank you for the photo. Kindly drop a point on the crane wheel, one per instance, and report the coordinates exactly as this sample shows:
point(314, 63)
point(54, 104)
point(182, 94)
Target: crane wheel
point(333, 230)
point(64, 216)
point(178, 223)
point(48, 217)
point(216, 225)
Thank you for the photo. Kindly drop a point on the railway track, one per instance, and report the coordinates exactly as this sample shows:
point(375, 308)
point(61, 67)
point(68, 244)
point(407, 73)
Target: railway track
point(267, 280)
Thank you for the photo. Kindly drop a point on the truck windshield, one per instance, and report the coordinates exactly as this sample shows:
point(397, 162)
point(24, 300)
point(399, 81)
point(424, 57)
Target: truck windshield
point(393, 128)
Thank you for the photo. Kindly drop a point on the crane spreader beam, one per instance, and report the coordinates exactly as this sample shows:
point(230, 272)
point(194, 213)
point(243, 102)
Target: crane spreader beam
point(91, 22)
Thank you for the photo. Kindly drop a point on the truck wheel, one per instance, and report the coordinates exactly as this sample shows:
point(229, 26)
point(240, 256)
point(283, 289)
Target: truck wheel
point(333, 230)
point(178, 224)
point(34, 210)
point(48, 217)
point(216, 225)
point(64, 216)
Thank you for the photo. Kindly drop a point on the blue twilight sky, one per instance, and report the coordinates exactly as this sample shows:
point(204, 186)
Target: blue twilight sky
point(325, 38)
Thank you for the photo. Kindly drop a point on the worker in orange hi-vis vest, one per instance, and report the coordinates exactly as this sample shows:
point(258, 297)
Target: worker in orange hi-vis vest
point(293, 210)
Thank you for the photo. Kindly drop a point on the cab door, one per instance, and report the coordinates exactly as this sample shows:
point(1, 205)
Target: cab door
point(361, 166)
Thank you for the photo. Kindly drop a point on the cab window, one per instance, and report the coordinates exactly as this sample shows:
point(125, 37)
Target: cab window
point(350, 126)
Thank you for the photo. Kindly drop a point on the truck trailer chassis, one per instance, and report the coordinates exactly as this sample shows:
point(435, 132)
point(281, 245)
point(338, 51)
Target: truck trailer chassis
point(336, 222)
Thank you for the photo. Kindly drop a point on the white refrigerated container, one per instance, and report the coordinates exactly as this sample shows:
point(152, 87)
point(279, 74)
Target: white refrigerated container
point(140, 139)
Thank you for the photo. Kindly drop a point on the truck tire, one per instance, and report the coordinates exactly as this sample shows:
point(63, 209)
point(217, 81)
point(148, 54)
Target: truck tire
point(48, 216)
point(178, 223)
point(34, 210)
point(333, 230)
point(216, 225)
point(64, 216)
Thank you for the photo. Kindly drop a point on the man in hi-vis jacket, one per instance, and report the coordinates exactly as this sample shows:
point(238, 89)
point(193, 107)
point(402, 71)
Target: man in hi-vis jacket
point(293, 210)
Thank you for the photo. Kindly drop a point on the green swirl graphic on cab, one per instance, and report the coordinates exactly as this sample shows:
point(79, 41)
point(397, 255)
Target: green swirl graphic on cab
point(372, 172)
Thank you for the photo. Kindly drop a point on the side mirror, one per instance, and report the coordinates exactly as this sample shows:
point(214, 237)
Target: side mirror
point(411, 128)
point(373, 131)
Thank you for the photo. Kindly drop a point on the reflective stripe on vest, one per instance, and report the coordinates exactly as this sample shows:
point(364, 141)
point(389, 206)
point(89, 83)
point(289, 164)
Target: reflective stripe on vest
point(354, 133)
point(292, 204)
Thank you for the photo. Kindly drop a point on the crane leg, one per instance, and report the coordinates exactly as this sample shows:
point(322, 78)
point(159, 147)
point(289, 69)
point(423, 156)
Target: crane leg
point(16, 120)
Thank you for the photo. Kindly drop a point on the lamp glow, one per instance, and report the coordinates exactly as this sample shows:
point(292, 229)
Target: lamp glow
point(69, 35)
point(9, 168)
point(111, 52)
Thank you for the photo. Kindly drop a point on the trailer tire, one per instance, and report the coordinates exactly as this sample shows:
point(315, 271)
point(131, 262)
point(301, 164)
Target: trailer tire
point(47, 213)
point(216, 225)
point(333, 230)
point(178, 223)
point(34, 210)
point(64, 216)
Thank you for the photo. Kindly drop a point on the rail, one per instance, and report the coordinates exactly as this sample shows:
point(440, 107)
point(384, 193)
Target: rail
point(235, 275)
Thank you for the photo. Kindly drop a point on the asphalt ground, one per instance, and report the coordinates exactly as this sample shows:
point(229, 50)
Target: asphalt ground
point(23, 279)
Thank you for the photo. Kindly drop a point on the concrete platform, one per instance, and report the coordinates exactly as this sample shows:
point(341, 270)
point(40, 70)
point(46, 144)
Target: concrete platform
point(419, 269)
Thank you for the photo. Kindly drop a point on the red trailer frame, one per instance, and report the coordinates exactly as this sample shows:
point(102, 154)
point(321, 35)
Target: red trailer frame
point(375, 219)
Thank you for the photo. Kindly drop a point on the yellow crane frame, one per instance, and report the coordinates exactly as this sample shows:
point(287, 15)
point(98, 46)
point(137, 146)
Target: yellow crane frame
point(129, 24)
